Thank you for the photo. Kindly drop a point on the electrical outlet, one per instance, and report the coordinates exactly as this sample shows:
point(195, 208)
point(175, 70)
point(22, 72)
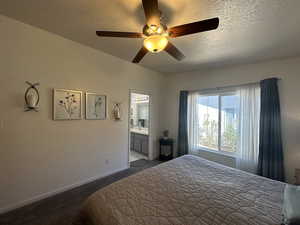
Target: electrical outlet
point(106, 161)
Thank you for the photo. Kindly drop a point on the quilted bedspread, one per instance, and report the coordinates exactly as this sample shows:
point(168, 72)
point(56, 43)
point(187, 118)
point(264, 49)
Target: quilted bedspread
point(187, 191)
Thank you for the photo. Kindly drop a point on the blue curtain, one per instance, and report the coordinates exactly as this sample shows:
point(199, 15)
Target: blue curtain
point(270, 160)
point(183, 125)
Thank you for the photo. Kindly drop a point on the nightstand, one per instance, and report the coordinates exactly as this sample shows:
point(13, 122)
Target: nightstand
point(166, 149)
point(297, 176)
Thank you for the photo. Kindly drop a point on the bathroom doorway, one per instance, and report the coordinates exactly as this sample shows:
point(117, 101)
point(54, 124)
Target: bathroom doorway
point(139, 126)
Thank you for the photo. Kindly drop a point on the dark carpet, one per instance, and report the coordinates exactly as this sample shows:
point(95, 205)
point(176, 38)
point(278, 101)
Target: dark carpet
point(61, 209)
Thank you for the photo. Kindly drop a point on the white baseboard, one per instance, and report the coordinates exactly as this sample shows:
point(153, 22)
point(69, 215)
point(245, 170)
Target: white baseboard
point(55, 192)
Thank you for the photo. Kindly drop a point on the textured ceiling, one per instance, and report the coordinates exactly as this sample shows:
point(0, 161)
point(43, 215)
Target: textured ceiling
point(249, 31)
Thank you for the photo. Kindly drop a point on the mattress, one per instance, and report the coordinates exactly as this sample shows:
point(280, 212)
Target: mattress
point(187, 191)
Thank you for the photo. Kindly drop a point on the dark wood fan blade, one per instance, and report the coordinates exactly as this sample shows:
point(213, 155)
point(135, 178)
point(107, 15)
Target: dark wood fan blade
point(143, 51)
point(119, 34)
point(196, 27)
point(152, 12)
point(175, 52)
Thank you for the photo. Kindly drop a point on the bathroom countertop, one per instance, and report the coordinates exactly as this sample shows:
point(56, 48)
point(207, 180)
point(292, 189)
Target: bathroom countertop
point(143, 131)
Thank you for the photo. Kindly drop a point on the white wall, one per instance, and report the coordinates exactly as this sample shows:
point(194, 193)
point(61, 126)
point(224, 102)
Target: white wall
point(288, 70)
point(39, 155)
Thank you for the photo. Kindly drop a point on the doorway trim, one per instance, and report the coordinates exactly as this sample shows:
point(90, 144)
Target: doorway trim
point(150, 152)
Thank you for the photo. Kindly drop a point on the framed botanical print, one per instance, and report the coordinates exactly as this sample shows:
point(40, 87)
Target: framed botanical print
point(95, 106)
point(67, 104)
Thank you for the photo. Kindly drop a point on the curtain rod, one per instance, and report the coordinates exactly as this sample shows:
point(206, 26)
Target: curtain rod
point(230, 86)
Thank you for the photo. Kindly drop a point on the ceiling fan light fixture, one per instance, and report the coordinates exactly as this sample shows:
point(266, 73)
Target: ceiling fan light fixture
point(156, 34)
point(156, 43)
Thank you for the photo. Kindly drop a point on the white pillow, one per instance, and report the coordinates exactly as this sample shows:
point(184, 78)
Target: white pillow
point(291, 205)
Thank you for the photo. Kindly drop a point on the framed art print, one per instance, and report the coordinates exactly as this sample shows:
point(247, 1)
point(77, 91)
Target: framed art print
point(67, 104)
point(95, 106)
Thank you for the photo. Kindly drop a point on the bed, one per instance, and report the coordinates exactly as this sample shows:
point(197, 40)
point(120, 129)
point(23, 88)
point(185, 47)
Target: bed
point(187, 191)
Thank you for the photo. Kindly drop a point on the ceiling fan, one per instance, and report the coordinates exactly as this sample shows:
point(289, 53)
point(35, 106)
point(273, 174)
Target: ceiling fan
point(156, 34)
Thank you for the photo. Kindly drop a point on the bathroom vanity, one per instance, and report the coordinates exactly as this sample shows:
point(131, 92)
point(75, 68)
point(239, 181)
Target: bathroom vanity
point(139, 140)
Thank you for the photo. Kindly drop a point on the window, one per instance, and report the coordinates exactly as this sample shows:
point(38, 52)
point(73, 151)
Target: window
point(214, 121)
point(226, 122)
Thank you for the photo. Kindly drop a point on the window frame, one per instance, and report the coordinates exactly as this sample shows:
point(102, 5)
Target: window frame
point(219, 94)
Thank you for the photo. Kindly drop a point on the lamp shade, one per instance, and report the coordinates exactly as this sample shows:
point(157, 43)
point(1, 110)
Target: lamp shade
point(155, 43)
